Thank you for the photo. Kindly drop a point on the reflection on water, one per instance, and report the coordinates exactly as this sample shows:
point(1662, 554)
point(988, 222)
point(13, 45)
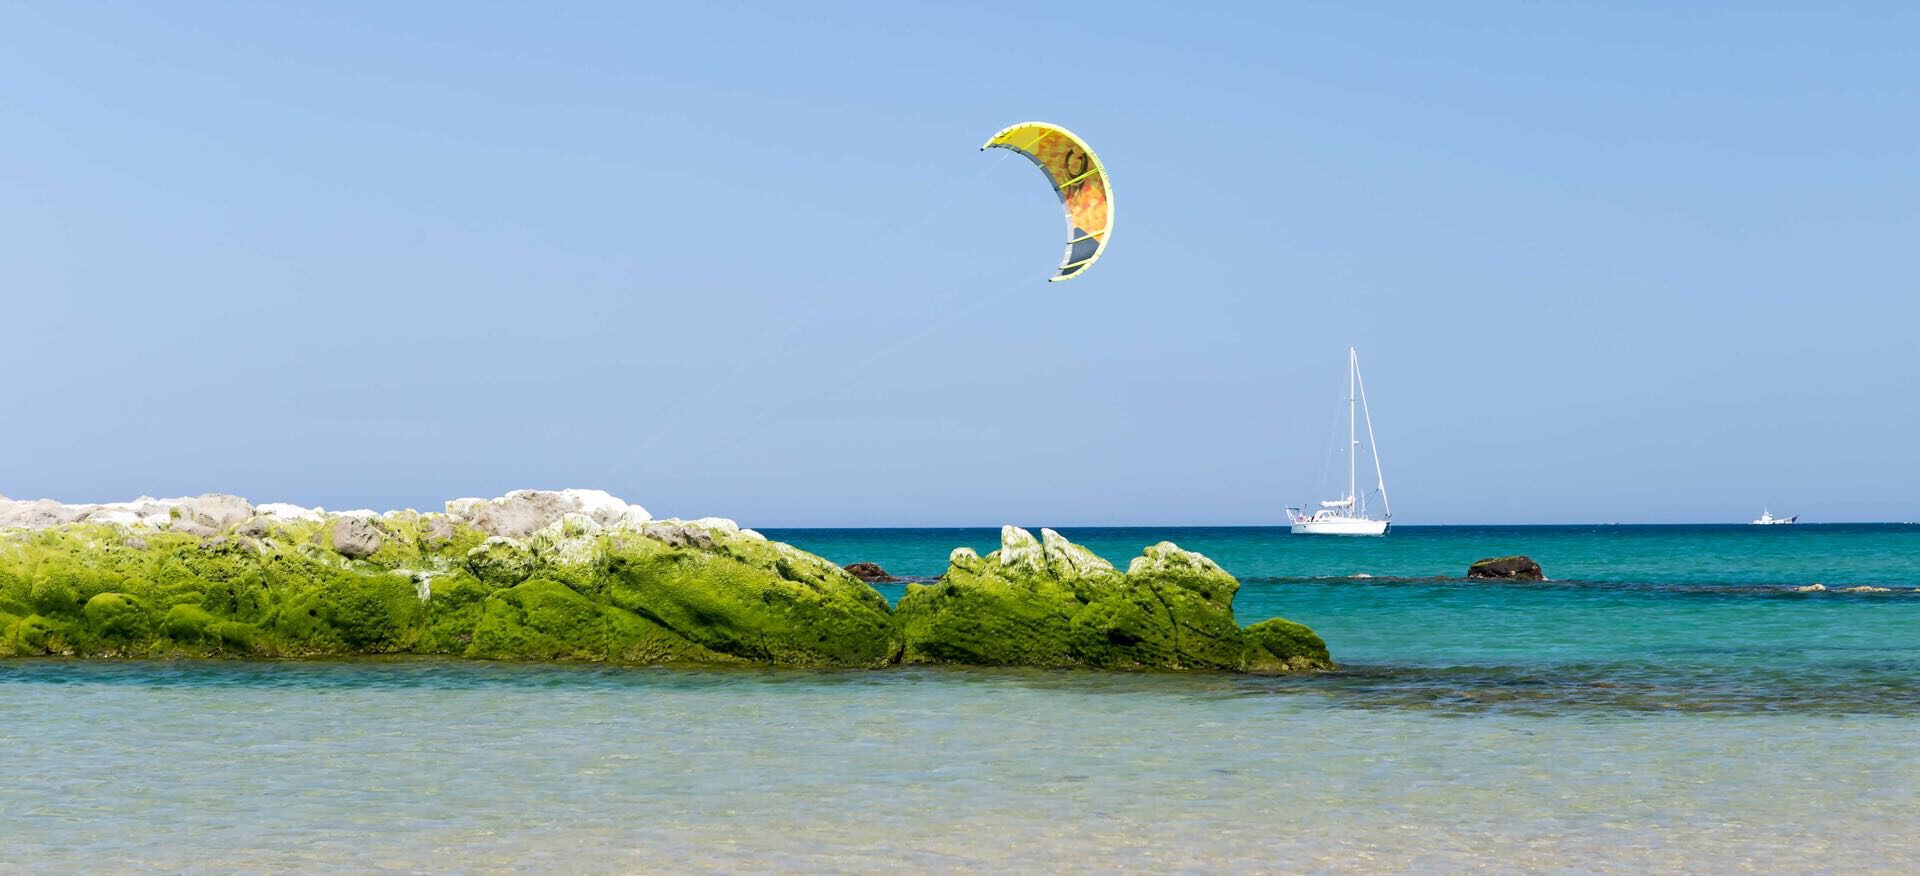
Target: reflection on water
point(423, 764)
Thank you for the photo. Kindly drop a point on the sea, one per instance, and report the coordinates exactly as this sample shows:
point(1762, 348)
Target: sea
point(1674, 699)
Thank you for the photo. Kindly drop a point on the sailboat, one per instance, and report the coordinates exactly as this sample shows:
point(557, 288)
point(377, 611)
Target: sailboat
point(1349, 514)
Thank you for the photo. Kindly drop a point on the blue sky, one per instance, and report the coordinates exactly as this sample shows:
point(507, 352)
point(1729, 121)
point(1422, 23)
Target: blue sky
point(1636, 262)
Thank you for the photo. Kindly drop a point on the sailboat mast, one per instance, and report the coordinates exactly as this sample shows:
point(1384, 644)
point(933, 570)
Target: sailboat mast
point(1372, 444)
point(1353, 441)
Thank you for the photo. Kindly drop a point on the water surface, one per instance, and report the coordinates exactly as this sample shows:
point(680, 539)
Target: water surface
point(1671, 701)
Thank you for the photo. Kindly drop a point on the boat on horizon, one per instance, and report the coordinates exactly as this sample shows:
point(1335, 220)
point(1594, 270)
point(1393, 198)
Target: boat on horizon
point(1348, 515)
point(1767, 519)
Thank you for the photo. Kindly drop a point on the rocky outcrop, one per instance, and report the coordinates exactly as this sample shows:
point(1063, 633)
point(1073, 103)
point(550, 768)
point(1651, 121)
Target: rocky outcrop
point(581, 575)
point(1507, 568)
point(523, 512)
point(869, 572)
point(198, 515)
point(573, 574)
point(1049, 602)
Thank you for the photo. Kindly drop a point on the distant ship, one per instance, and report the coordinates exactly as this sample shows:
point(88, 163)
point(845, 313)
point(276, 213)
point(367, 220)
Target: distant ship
point(1767, 519)
point(1348, 515)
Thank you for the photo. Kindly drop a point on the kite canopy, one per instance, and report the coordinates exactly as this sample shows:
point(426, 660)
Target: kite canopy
point(1078, 178)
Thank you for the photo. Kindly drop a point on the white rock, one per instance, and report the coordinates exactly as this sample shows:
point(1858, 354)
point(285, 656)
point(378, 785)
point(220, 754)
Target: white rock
point(523, 512)
point(288, 511)
point(720, 523)
point(603, 507)
point(520, 513)
point(117, 516)
point(1167, 556)
point(571, 525)
point(215, 511)
point(1018, 547)
point(678, 533)
point(634, 519)
point(1066, 559)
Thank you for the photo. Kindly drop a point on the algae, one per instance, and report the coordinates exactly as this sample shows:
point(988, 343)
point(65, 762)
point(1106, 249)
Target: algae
point(689, 592)
point(601, 581)
point(1049, 602)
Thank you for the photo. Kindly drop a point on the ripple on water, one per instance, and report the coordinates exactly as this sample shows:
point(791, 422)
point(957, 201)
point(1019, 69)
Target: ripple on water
point(429, 764)
point(1869, 684)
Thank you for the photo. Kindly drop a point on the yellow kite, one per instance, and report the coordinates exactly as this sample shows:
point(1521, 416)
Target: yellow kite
point(1078, 178)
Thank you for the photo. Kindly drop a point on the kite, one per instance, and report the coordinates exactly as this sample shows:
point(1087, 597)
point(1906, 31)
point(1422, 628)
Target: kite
point(1078, 178)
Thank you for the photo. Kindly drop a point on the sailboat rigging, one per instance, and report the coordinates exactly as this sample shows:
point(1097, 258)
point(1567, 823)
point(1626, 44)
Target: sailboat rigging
point(1349, 514)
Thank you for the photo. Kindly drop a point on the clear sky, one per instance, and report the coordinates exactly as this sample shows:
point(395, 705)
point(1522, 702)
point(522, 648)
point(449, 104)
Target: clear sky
point(1644, 262)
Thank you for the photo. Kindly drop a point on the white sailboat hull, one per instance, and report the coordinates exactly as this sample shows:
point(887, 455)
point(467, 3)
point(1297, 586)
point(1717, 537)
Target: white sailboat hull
point(1345, 526)
point(1348, 515)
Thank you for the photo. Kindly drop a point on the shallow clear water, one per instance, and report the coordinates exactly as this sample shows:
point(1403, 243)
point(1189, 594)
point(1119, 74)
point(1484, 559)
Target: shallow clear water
point(1676, 706)
point(1637, 618)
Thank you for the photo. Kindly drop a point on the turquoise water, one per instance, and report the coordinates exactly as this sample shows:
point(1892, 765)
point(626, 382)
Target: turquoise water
point(1670, 701)
point(1636, 617)
point(1835, 555)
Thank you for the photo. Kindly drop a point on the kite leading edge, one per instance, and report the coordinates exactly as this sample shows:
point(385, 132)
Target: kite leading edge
point(1078, 178)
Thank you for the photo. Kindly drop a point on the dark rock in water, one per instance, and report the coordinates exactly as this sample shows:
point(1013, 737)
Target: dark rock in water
point(1507, 568)
point(870, 573)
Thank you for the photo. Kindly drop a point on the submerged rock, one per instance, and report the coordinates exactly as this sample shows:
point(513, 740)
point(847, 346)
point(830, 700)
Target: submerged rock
point(1049, 602)
point(1507, 568)
point(869, 572)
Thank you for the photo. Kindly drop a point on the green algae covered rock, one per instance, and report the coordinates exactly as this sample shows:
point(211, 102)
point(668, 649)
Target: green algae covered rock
point(585, 577)
point(500, 561)
point(1048, 602)
point(708, 581)
point(548, 620)
point(1288, 646)
point(580, 575)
